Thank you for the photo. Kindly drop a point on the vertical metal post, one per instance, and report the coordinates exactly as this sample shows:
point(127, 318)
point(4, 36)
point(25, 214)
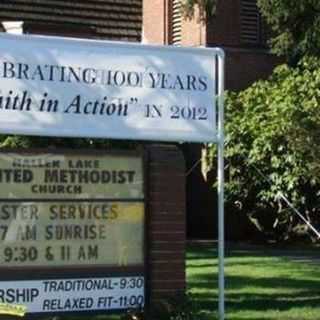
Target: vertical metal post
point(221, 183)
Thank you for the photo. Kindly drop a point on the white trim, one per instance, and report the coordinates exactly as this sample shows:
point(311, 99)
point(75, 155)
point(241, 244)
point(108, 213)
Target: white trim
point(13, 27)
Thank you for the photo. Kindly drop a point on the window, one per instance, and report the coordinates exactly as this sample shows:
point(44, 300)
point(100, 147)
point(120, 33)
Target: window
point(176, 22)
point(252, 27)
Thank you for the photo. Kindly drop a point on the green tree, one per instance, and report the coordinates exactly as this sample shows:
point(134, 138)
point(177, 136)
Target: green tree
point(295, 26)
point(272, 145)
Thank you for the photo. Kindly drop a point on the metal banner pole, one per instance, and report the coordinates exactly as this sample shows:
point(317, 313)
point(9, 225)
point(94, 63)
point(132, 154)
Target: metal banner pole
point(221, 183)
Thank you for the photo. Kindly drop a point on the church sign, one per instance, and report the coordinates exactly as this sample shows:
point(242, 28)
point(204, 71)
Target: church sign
point(72, 225)
point(64, 212)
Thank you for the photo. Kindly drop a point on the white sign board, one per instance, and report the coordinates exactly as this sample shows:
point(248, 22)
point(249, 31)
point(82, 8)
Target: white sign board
point(70, 295)
point(82, 88)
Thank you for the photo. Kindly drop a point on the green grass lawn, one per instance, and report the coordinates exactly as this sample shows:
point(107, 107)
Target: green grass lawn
point(260, 284)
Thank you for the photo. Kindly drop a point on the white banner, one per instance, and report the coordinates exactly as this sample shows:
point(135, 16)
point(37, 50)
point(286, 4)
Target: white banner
point(82, 88)
point(71, 295)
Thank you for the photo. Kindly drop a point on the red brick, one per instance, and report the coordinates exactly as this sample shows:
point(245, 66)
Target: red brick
point(167, 221)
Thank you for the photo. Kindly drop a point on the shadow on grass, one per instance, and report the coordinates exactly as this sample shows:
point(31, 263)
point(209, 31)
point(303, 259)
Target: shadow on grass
point(255, 282)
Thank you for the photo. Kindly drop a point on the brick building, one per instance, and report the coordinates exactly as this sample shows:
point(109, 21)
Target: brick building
point(237, 27)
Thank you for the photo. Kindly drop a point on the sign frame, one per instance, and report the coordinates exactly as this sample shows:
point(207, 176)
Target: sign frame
point(189, 130)
point(43, 273)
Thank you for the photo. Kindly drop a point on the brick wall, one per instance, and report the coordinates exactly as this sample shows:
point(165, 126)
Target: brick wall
point(155, 22)
point(194, 32)
point(157, 25)
point(243, 67)
point(166, 221)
